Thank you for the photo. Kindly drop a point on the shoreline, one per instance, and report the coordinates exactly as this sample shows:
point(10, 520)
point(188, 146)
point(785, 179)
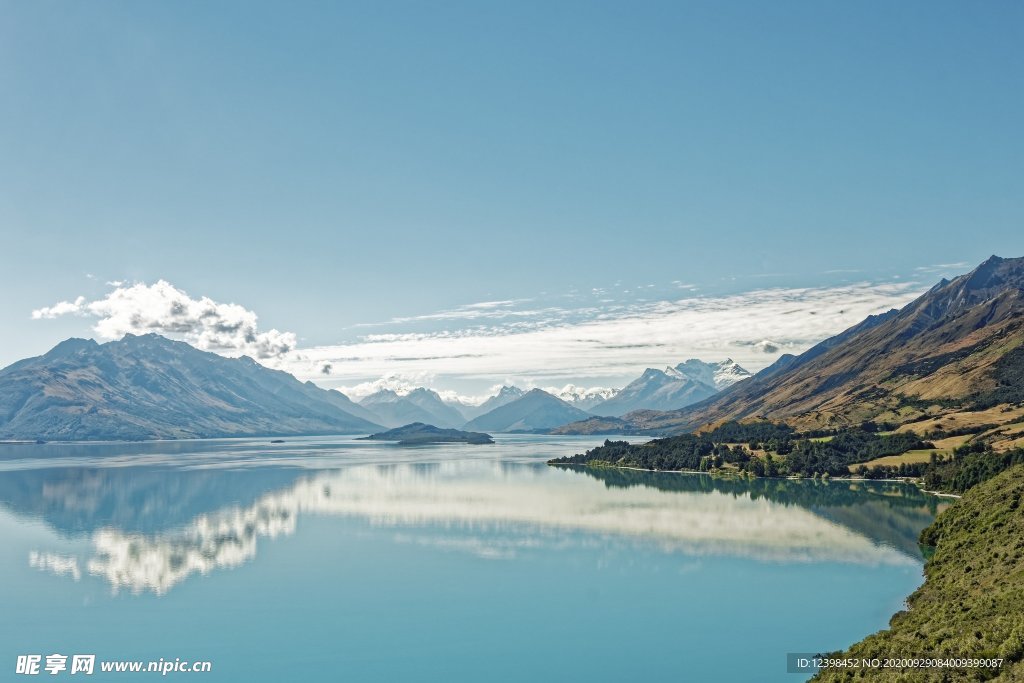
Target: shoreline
point(749, 476)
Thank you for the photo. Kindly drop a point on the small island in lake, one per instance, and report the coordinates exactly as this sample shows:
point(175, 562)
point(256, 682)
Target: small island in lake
point(419, 433)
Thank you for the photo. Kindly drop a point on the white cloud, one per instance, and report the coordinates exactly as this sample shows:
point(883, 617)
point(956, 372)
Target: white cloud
point(957, 267)
point(451, 396)
point(165, 309)
point(475, 311)
point(60, 308)
point(764, 346)
point(59, 565)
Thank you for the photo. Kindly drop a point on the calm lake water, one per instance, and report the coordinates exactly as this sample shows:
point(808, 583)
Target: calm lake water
point(335, 559)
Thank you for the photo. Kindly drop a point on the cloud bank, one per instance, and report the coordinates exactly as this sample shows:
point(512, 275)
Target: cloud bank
point(163, 308)
point(614, 340)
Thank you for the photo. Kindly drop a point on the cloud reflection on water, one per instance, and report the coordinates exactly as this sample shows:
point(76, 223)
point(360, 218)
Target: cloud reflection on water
point(490, 510)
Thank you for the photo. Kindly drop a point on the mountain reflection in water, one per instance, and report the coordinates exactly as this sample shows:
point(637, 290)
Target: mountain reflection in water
point(150, 528)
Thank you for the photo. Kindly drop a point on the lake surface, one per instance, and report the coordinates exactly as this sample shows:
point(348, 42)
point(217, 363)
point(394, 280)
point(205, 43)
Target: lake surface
point(335, 559)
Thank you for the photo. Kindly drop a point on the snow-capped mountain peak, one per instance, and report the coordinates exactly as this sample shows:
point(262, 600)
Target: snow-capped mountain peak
point(508, 390)
point(675, 374)
point(380, 396)
point(674, 387)
point(718, 375)
point(582, 397)
point(728, 372)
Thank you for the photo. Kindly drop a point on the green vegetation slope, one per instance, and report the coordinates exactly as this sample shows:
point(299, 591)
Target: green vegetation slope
point(972, 602)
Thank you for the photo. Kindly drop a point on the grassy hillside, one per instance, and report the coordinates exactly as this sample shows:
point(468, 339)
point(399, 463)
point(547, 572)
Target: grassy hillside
point(972, 602)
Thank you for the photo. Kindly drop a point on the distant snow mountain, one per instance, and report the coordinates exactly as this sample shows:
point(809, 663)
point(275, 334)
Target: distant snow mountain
point(534, 410)
point(719, 375)
point(419, 405)
point(672, 388)
point(656, 390)
point(581, 397)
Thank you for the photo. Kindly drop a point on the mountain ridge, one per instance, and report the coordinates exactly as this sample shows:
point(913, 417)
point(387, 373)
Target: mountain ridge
point(150, 387)
point(419, 405)
point(954, 345)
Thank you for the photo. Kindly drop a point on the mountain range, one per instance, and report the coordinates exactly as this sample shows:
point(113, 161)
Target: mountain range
point(540, 409)
point(951, 357)
point(149, 387)
point(419, 405)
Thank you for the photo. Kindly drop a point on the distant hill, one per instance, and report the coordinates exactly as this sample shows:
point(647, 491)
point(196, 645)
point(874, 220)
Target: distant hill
point(149, 387)
point(348, 405)
point(418, 433)
point(445, 415)
point(419, 405)
point(672, 388)
point(958, 348)
point(534, 410)
point(597, 425)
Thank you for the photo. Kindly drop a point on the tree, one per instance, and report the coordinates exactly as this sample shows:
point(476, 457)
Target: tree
point(756, 467)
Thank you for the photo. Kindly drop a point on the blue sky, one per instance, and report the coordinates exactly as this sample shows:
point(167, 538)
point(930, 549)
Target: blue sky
point(332, 166)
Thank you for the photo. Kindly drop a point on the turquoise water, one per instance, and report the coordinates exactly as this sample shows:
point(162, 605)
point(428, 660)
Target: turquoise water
point(334, 559)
